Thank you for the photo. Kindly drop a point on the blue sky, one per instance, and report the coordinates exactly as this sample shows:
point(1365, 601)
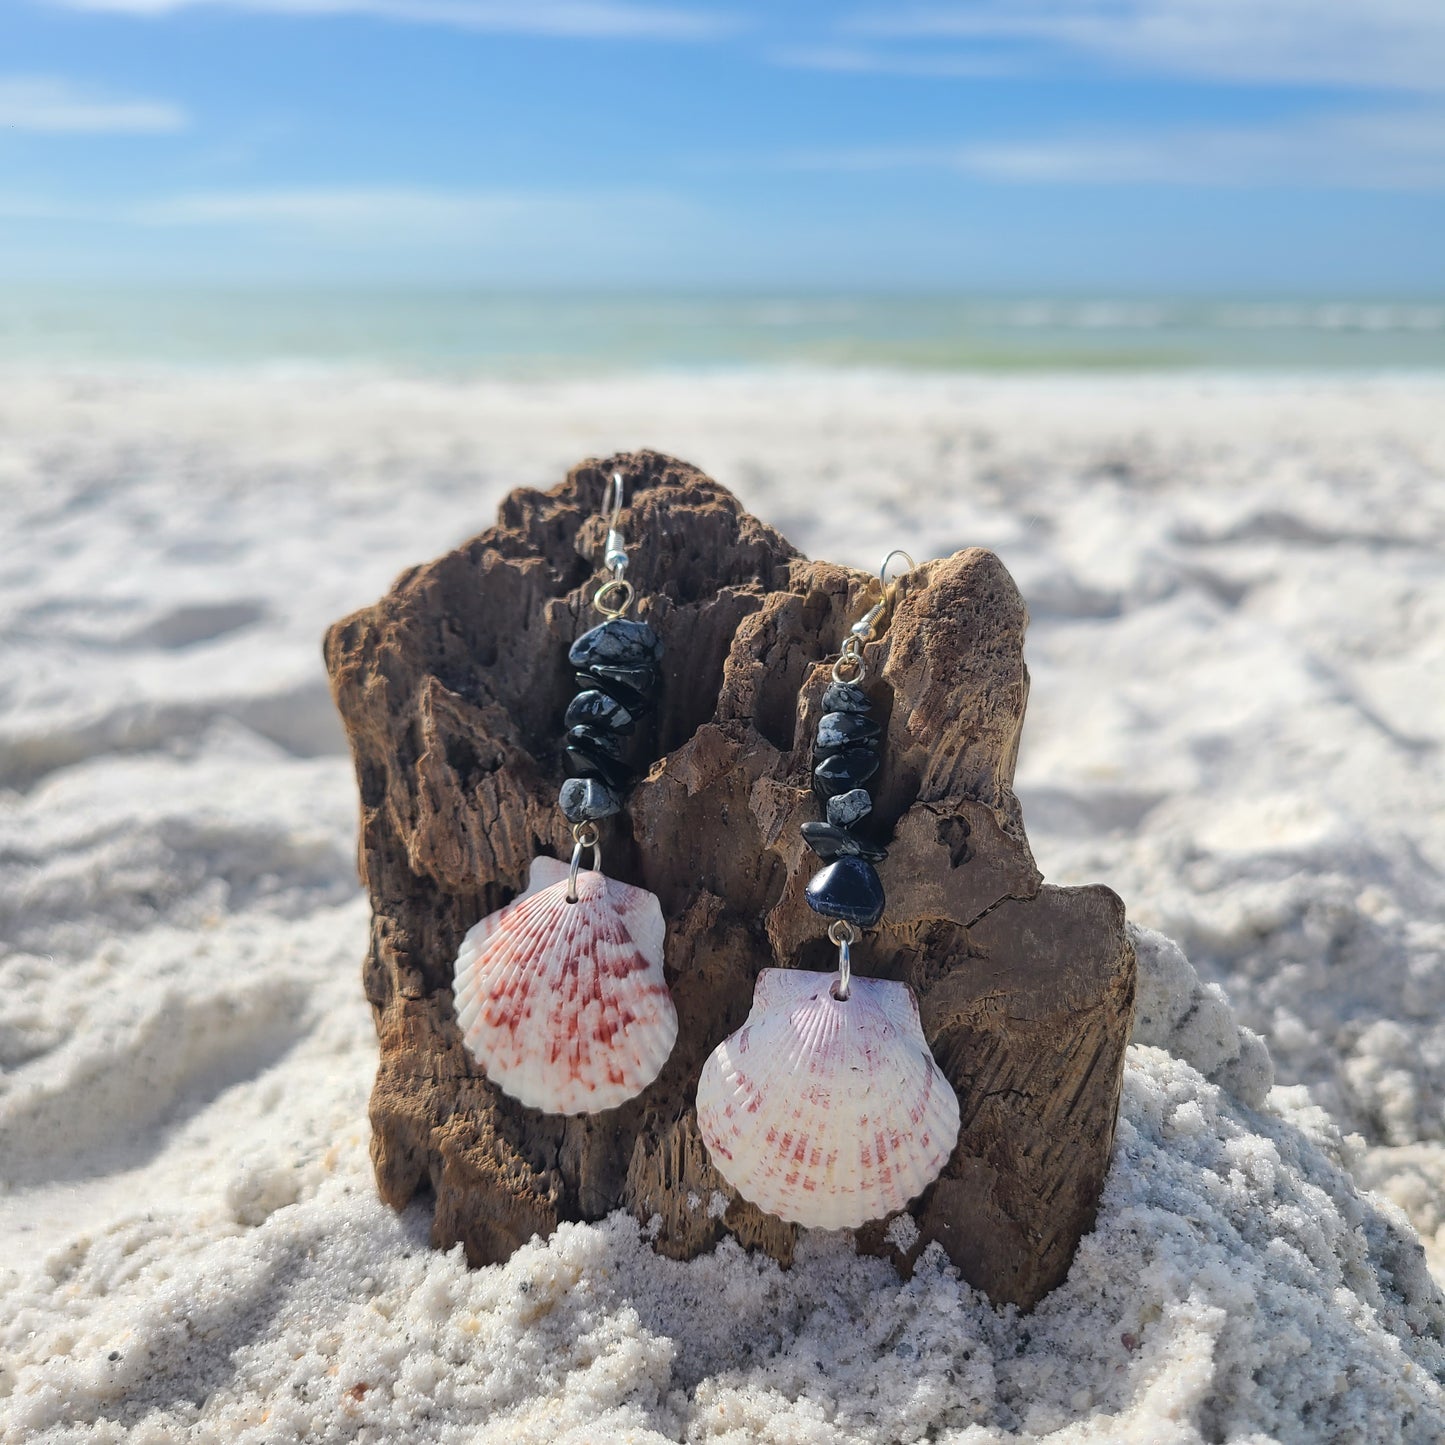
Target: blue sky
point(1022, 145)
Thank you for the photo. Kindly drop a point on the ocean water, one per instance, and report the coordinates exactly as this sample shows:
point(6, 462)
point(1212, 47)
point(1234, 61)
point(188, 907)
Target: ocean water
point(512, 334)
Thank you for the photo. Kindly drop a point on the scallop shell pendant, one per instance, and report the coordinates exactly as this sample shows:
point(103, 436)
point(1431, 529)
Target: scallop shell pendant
point(564, 1005)
point(824, 1111)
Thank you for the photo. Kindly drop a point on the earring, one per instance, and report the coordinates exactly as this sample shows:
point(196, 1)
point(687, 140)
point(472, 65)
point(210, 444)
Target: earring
point(827, 1108)
point(560, 995)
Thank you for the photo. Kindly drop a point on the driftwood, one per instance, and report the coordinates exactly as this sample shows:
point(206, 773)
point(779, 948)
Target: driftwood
point(452, 688)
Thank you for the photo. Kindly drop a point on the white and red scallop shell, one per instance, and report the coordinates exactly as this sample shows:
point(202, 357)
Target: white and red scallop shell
point(564, 1005)
point(827, 1112)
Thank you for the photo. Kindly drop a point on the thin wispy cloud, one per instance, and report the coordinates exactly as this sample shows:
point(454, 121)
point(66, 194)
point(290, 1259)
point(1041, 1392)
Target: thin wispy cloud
point(23, 207)
point(337, 208)
point(1402, 151)
point(579, 19)
point(48, 106)
point(359, 216)
point(1391, 44)
point(855, 60)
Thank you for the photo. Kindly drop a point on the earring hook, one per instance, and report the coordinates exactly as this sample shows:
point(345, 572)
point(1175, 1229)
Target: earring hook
point(615, 555)
point(862, 629)
point(614, 597)
point(883, 569)
point(849, 667)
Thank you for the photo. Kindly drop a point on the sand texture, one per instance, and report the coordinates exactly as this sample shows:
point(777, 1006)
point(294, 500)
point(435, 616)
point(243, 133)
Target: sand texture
point(1236, 721)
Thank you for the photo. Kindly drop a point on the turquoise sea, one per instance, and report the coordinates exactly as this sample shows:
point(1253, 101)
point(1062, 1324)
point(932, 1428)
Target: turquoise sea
point(512, 334)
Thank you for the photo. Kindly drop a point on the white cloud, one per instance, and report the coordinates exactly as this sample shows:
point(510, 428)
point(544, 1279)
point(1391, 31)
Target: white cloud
point(585, 19)
point(360, 217)
point(58, 107)
point(1402, 150)
point(853, 60)
point(394, 209)
point(361, 233)
point(1391, 44)
point(24, 207)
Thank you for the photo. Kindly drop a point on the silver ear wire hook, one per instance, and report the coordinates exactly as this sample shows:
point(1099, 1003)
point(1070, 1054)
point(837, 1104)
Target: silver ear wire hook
point(883, 570)
point(615, 556)
point(849, 667)
point(614, 597)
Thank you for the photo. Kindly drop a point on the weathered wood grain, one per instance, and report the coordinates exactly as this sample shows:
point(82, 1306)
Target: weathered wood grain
point(452, 688)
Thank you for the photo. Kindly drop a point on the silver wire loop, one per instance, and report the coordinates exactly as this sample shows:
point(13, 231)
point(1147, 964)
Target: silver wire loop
point(584, 836)
point(845, 936)
point(849, 666)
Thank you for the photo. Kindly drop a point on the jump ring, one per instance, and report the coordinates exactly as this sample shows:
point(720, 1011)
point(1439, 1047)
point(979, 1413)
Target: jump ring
point(613, 585)
point(584, 836)
point(843, 934)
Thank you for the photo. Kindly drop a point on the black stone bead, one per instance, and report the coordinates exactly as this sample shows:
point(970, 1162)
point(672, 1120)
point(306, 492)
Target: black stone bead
point(618, 643)
point(596, 755)
point(584, 799)
point(594, 709)
point(845, 809)
point(633, 687)
point(829, 841)
point(608, 744)
point(846, 697)
point(842, 772)
point(850, 889)
point(838, 731)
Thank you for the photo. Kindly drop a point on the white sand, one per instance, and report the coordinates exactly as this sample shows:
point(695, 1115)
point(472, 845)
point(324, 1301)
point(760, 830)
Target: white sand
point(1238, 651)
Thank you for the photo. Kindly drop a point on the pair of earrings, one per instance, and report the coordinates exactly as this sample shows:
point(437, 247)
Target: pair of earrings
point(826, 1108)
